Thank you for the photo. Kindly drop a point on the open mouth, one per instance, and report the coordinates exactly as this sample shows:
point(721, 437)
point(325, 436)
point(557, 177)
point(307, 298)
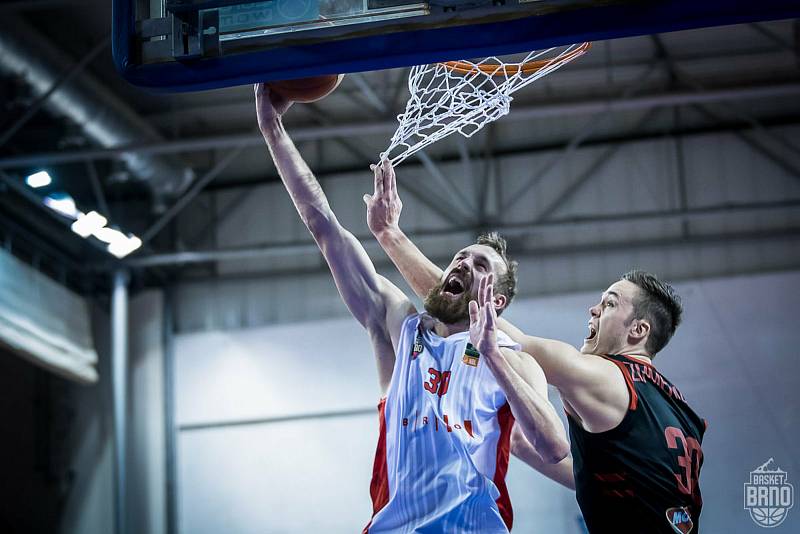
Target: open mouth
point(592, 333)
point(454, 286)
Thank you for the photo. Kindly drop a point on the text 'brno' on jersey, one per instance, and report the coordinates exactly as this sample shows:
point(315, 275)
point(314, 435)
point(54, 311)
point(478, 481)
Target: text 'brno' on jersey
point(445, 429)
point(642, 476)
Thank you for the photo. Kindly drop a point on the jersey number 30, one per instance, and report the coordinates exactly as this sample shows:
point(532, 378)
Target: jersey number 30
point(438, 382)
point(689, 460)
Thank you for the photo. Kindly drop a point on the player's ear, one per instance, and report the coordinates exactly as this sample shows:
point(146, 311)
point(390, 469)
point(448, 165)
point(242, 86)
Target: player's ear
point(500, 302)
point(639, 329)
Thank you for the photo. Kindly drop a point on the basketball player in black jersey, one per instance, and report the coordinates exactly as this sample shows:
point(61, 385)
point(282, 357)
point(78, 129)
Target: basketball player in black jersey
point(635, 442)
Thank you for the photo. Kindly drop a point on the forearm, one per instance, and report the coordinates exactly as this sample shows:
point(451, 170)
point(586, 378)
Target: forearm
point(557, 359)
point(420, 272)
point(303, 187)
point(369, 297)
point(536, 417)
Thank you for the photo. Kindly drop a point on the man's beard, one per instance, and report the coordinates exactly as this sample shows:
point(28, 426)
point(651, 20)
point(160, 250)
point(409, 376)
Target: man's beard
point(446, 310)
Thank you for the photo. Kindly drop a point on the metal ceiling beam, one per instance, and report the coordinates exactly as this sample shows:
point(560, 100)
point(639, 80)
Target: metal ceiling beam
point(569, 189)
point(454, 200)
point(447, 204)
point(595, 121)
point(61, 80)
point(731, 110)
point(308, 247)
point(308, 133)
point(555, 251)
point(756, 144)
point(187, 197)
point(102, 116)
point(97, 188)
point(429, 198)
point(369, 93)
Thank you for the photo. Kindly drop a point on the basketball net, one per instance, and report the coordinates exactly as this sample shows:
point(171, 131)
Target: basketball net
point(465, 96)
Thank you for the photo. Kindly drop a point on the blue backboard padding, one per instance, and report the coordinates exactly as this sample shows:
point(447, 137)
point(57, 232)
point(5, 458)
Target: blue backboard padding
point(428, 46)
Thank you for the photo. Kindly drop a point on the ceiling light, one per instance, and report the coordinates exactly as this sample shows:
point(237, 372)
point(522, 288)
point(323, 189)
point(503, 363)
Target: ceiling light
point(63, 204)
point(88, 223)
point(109, 235)
point(38, 179)
point(122, 247)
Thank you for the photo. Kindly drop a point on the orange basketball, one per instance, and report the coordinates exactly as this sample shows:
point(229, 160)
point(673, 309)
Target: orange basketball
point(307, 89)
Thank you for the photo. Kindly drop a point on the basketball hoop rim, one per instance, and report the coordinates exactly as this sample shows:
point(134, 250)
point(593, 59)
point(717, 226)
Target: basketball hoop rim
point(509, 69)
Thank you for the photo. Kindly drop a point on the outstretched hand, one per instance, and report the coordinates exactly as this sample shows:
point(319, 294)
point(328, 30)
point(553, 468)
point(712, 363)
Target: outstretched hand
point(269, 105)
point(384, 205)
point(483, 318)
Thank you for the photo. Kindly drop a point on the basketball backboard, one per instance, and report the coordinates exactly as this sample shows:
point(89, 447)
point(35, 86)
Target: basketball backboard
point(186, 45)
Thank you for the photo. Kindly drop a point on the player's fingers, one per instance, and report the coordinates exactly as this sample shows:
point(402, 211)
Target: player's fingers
point(367, 199)
point(490, 317)
point(488, 320)
point(391, 179)
point(378, 180)
point(482, 292)
point(388, 176)
point(473, 312)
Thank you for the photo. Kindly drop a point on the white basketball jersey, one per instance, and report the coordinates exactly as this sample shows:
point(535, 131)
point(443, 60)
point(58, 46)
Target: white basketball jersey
point(445, 429)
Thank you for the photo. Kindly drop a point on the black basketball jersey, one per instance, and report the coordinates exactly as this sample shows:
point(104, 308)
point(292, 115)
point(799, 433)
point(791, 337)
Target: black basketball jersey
point(641, 477)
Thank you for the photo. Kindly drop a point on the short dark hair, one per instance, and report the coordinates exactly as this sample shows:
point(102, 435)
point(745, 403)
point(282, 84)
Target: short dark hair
point(506, 284)
point(658, 303)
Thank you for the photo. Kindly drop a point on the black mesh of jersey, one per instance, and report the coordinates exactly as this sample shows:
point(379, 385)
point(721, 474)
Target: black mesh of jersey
point(641, 477)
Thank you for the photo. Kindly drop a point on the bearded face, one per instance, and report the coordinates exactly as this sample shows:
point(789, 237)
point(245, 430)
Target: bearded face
point(447, 307)
point(449, 300)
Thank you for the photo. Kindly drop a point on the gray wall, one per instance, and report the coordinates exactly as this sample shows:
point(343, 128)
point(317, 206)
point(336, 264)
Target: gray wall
point(734, 359)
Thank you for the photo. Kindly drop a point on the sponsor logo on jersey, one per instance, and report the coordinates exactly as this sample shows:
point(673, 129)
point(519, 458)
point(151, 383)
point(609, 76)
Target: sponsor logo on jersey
point(471, 356)
point(418, 347)
point(768, 496)
point(680, 520)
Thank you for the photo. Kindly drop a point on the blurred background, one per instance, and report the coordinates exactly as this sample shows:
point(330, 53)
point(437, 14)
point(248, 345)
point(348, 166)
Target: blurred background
point(247, 392)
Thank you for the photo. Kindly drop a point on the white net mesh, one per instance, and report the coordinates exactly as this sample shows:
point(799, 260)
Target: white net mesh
point(464, 96)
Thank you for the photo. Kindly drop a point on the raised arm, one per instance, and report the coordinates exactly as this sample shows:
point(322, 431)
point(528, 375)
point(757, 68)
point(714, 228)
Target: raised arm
point(374, 301)
point(593, 388)
point(383, 218)
point(521, 379)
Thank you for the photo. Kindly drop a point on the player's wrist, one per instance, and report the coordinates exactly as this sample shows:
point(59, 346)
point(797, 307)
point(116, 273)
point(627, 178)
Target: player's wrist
point(388, 234)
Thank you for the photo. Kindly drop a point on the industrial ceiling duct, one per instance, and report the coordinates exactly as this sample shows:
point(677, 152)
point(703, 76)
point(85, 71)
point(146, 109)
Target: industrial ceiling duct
point(104, 118)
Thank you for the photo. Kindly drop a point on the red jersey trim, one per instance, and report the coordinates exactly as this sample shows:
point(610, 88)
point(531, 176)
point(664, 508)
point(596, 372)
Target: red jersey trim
point(634, 398)
point(634, 360)
point(379, 486)
point(506, 421)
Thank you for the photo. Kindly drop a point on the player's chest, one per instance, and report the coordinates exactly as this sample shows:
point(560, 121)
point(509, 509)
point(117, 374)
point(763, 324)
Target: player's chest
point(450, 371)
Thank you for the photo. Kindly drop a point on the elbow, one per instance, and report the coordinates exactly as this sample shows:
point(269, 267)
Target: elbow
point(555, 451)
point(316, 220)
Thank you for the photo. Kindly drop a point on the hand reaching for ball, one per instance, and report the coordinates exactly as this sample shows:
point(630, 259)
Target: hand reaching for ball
point(270, 106)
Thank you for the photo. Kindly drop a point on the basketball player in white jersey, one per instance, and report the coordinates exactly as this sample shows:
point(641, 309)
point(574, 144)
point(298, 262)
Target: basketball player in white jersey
point(451, 394)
